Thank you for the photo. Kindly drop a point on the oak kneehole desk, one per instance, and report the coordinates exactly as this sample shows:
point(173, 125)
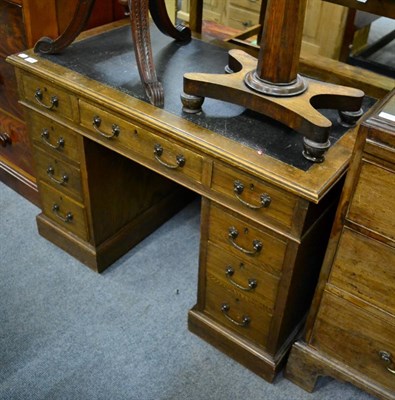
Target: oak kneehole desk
point(111, 167)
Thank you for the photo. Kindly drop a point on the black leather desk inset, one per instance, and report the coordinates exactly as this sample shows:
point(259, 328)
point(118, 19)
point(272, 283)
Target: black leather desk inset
point(109, 58)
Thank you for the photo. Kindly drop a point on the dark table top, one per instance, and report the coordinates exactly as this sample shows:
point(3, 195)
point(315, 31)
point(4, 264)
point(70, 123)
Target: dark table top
point(109, 58)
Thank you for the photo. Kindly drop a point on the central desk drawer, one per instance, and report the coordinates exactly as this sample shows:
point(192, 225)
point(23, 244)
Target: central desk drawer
point(137, 141)
point(58, 174)
point(64, 211)
point(257, 198)
point(252, 245)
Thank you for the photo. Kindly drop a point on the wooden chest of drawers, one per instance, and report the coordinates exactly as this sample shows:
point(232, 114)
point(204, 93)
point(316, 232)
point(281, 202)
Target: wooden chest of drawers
point(351, 329)
point(112, 167)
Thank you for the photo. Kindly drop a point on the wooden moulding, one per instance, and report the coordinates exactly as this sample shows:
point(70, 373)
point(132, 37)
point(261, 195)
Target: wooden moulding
point(306, 365)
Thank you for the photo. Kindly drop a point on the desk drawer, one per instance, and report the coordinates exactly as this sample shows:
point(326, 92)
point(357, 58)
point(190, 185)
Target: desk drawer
point(136, 141)
point(241, 277)
point(58, 174)
point(258, 199)
point(374, 208)
point(64, 211)
point(50, 98)
point(356, 337)
point(236, 312)
point(53, 137)
point(243, 240)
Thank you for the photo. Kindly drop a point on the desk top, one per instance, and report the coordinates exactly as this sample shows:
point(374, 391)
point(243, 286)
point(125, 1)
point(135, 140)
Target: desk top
point(103, 69)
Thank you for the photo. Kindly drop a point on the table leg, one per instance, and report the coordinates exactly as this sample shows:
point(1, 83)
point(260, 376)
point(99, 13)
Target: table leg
point(161, 18)
point(81, 15)
point(143, 50)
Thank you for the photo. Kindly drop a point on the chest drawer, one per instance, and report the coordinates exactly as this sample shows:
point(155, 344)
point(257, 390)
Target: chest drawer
point(255, 197)
point(64, 211)
point(241, 19)
point(359, 339)
point(372, 204)
point(252, 245)
point(236, 312)
point(58, 174)
point(18, 151)
point(240, 277)
point(47, 97)
point(56, 139)
point(251, 5)
point(365, 268)
point(164, 154)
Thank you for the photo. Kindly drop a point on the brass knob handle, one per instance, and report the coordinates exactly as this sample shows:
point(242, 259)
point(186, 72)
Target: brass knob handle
point(245, 319)
point(264, 198)
point(5, 139)
point(158, 151)
point(115, 129)
point(54, 101)
point(257, 245)
point(252, 283)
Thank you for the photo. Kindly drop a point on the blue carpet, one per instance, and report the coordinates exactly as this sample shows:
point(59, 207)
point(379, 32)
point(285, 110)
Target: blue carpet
point(69, 333)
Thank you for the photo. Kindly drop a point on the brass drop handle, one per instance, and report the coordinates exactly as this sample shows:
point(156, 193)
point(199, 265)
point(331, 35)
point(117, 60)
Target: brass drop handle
point(386, 356)
point(158, 151)
point(51, 173)
point(54, 101)
point(265, 199)
point(56, 210)
point(257, 245)
point(245, 319)
point(5, 139)
point(252, 283)
point(115, 129)
point(45, 138)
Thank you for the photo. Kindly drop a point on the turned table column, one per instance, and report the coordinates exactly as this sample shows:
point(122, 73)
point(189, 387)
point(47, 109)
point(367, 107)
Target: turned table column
point(271, 84)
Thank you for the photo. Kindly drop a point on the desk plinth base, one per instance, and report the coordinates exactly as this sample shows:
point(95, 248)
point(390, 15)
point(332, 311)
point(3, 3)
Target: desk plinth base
point(244, 352)
point(101, 256)
point(295, 106)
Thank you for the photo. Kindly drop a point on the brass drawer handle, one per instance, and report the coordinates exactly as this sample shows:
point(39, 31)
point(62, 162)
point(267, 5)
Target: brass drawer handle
point(265, 199)
point(67, 218)
point(245, 319)
point(180, 159)
point(256, 244)
point(38, 95)
point(51, 173)
point(252, 283)
point(45, 138)
point(115, 129)
point(386, 356)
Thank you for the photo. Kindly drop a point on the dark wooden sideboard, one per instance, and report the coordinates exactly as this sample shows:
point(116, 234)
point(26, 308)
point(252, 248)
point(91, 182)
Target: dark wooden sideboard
point(22, 23)
point(111, 167)
point(350, 334)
